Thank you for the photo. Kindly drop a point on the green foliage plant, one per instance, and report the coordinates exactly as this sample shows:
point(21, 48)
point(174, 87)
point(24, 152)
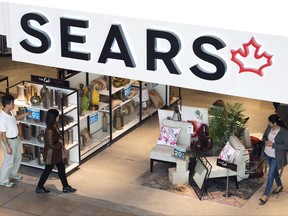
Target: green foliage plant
point(224, 122)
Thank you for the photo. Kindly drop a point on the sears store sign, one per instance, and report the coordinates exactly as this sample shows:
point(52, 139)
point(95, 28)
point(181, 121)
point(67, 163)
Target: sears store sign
point(217, 60)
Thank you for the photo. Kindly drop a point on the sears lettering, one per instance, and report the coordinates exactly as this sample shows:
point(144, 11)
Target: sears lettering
point(116, 34)
point(41, 35)
point(208, 57)
point(167, 58)
point(67, 38)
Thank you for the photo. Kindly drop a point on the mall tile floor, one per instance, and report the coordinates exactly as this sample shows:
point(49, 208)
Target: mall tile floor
point(106, 185)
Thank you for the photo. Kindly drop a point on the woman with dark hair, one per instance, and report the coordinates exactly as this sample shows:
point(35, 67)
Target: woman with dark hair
point(275, 141)
point(53, 153)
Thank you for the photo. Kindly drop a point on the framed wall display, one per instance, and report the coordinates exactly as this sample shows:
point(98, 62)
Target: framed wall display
point(200, 175)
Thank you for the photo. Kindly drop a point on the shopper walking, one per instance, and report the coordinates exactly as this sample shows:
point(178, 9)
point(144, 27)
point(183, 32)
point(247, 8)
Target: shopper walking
point(53, 153)
point(275, 140)
point(11, 144)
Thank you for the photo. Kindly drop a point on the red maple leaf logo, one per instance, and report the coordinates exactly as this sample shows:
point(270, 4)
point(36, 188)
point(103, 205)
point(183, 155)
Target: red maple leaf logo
point(244, 53)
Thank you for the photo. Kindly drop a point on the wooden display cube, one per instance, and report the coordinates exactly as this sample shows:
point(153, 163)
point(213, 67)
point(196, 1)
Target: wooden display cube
point(178, 177)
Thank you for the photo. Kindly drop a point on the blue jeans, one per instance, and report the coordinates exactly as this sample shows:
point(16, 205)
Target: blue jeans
point(273, 174)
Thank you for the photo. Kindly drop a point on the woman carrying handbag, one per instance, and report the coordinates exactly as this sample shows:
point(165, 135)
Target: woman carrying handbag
point(53, 149)
point(275, 140)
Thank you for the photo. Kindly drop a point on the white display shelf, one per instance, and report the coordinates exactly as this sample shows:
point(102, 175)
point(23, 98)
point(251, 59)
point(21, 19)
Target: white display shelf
point(129, 122)
point(101, 138)
point(138, 85)
point(87, 113)
point(33, 141)
point(72, 124)
point(70, 110)
point(67, 109)
point(72, 145)
point(121, 104)
point(42, 124)
point(98, 140)
point(95, 123)
point(100, 135)
point(93, 145)
point(34, 163)
point(32, 122)
point(114, 89)
point(71, 167)
point(147, 113)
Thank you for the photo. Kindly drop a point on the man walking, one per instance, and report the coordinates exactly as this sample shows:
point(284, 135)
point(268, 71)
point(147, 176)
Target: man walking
point(10, 142)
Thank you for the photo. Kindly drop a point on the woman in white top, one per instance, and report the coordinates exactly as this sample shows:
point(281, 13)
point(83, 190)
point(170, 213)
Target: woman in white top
point(275, 141)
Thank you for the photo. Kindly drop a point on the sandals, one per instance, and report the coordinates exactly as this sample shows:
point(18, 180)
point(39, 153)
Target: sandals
point(278, 190)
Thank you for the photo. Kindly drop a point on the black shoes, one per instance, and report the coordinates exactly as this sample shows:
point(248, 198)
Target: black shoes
point(278, 190)
point(69, 189)
point(262, 201)
point(42, 190)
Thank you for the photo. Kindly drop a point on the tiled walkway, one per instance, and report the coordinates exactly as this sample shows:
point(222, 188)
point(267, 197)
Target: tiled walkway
point(22, 200)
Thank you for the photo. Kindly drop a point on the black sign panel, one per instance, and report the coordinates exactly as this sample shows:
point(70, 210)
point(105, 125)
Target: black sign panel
point(226, 164)
point(50, 81)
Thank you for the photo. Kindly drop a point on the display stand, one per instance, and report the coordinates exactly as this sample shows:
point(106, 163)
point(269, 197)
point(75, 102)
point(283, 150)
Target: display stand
point(92, 120)
point(227, 194)
point(30, 128)
point(228, 166)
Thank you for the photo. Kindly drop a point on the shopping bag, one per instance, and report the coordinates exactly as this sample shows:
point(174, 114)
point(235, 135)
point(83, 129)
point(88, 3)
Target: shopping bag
point(65, 153)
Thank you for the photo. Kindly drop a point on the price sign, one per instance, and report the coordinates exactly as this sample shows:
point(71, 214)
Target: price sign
point(127, 91)
point(94, 118)
point(35, 114)
point(154, 85)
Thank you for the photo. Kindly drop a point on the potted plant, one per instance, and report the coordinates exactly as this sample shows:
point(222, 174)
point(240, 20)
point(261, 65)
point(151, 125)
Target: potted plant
point(225, 121)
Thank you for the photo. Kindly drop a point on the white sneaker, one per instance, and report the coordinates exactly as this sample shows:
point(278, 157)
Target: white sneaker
point(7, 184)
point(17, 177)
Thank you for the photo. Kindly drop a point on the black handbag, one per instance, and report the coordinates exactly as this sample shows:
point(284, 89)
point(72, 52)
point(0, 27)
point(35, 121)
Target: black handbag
point(257, 148)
